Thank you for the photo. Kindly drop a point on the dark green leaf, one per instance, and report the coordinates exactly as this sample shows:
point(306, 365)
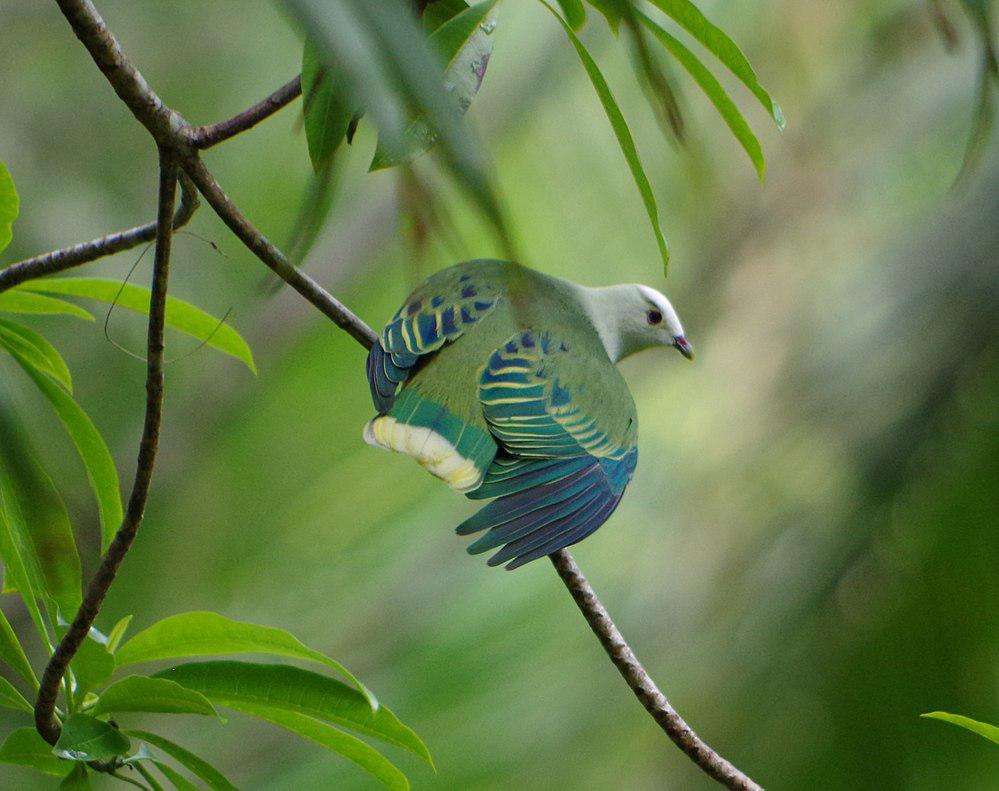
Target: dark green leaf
point(464, 44)
point(211, 634)
point(180, 315)
point(9, 205)
point(575, 13)
point(148, 777)
point(327, 111)
point(176, 779)
point(440, 11)
point(294, 689)
point(717, 42)
point(624, 138)
point(11, 651)
point(117, 632)
point(611, 9)
point(93, 452)
point(10, 698)
point(715, 92)
point(983, 729)
point(85, 738)
point(36, 351)
point(15, 301)
point(77, 779)
point(92, 666)
point(141, 693)
point(350, 747)
point(198, 766)
point(24, 747)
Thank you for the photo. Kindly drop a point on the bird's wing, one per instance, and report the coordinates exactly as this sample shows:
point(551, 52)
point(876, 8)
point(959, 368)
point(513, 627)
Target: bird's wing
point(438, 312)
point(565, 422)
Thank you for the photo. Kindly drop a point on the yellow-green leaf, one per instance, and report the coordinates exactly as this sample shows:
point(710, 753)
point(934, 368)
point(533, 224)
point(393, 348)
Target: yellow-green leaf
point(142, 693)
point(983, 729)
point(34, 349)
point(16, 301)
point(212, 776)
point(9, 206)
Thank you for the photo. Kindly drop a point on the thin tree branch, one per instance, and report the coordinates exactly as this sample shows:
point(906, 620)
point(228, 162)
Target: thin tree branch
point(84, 253)
point(45, 720)
point(261, 247)
point(641, 683)
point(208, 136)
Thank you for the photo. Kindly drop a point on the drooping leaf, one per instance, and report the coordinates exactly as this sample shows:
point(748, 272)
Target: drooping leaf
point(327, 110)
point(175, 778)
point(715, 93)
point(350, 747)
point(21, 574)
point(16, 301)
point(9, 206)
point(180, 315)
point(575, 13)
point(92, 666)
point(36, 516)
point(10, 698)
point(117, 632)
point(93, 451)
point(24, 747)
point(718, 43)
point(76, 780)
point(464, 44)
point(142, 693)
point(86, 738)
point(983, 729)
point(11, 651)
point(198, 766)
point(294, 689)
point(440, 11)
point(211, 634)
point(623, 134)
point(36, 351)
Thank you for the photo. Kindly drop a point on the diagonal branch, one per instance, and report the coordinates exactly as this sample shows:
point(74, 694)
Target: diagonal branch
point(208, 136)
point(45, 720)
point(84, 253)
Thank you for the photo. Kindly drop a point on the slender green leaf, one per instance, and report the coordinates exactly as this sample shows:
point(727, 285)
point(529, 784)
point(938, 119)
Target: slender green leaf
point(294, 689)
point(36, 516)
point(198, 766)
point(93, 452)
point(717, 42)
point(16, 301)
point(715, 93)
point(440, 11)
point(464, 44)
point(11, 651)
point(151, 781)
point(86, 738)
point(350, 747)
point(24, 747)
point(211, 634)
point(141, 693)
point(180, 315)
point(117, 632)
point(575, 13)
point(983, 729)
point(175, 778)
point(77, 779)
point(92, 666)
point(624, 138)
point(33, 349)
point(22, 576)
point(326, 109)
point(10, 698)
point(9, 206)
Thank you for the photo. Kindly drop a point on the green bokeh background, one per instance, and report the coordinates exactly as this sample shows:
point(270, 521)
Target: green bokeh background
point(807, 557)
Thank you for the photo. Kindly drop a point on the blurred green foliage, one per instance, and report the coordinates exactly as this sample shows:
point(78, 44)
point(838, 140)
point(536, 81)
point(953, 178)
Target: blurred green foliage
point(806, 558)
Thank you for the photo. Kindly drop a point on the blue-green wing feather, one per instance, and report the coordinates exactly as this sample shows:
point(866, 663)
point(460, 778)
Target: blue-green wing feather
point(562, 470)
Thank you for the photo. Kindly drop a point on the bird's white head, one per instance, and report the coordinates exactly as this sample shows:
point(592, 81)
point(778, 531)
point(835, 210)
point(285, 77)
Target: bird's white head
point(633, 317)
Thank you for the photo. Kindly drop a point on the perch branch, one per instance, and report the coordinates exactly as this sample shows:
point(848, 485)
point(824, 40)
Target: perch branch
point(78, 254)
point(208, 136)
point(45, 720)
point(178, 143)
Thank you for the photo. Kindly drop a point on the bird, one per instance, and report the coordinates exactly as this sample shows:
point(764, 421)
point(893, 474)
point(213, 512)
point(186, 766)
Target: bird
point(502, 381)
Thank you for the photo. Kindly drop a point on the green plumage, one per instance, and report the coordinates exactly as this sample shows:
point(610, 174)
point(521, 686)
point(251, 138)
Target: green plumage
point(501, 381)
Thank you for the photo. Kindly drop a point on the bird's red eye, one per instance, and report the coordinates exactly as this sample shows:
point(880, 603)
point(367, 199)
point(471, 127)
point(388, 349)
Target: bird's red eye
point(654, 317)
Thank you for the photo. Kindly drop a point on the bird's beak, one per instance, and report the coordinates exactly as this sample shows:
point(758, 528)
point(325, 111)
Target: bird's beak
point(683, 346)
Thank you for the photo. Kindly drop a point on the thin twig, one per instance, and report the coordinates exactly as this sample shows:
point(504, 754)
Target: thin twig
point(641, 683)
point(69, 257)
point(45, 720)
point(208, 136)
point(261, 247)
